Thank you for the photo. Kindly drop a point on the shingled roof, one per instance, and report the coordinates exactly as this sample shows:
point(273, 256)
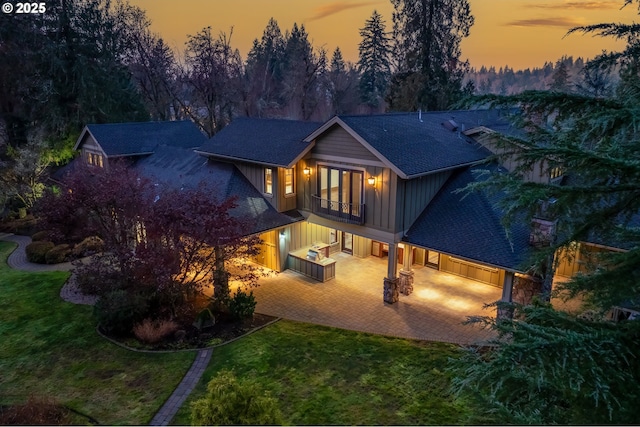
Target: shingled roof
point(132, 139)
point(469, 225)
point(415, 144)
point(182, 168)
point(273, 142)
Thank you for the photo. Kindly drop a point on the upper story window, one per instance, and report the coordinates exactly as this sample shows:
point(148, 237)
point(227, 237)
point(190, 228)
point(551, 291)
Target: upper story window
point(341, 187)
point(94, 159)
point(268, 181)
point(288, 181)
point(555, 173)
point(340, 195)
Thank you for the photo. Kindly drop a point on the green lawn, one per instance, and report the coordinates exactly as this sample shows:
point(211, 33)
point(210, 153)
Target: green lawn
point(50, 348)
point(324, 376)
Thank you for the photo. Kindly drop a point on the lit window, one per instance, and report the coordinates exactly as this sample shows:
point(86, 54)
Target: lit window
point(268, 181)
point(288, 181)
point(555, 173)
point(95, 159)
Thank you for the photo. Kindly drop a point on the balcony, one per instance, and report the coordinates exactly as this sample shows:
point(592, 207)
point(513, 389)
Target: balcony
point(350, 213)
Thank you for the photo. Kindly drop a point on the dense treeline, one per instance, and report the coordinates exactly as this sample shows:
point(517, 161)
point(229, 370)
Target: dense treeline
point(565, 75)
point(97, 61)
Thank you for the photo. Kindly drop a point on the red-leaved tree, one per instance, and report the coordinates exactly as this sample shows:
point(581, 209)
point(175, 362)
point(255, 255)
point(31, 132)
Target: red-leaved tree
point(162, 244)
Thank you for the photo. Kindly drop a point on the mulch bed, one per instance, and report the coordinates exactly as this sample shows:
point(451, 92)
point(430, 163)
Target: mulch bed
point(225, 329)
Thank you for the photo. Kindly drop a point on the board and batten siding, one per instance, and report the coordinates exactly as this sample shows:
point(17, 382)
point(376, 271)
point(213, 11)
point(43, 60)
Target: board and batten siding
point(361, 246)
point(380, 201)
point(285, 202)
point(414, 195)
point(305, 234)
point(337, 142)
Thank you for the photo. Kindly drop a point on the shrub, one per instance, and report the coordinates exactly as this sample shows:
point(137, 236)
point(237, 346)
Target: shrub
point(40, 235)
point(88, 246)
point(117, 311)
point(151, 332)
point(36, 411)
point(205, 319)
point(242, 305)
point(37, 251)
point(230, 402)
point(58, 254)
point(23, 226)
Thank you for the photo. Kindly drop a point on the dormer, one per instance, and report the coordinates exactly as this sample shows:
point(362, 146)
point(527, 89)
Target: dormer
point(99, 143)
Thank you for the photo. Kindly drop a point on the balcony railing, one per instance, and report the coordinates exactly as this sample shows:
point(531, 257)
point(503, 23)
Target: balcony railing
point(352, 213)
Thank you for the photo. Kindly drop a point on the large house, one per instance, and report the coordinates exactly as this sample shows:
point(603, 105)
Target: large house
point(369, 186)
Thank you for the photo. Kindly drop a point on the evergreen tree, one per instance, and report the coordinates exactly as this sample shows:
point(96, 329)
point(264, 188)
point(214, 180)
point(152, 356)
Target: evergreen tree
point(343, 80)
point(373, 62)
point(301, 74)
point(428, 36)
point(59, 71)
point(550, 367)
point(264, 73)
point(561, 80)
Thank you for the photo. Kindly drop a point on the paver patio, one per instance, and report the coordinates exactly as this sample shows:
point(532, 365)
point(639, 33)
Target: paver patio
point(435, 311)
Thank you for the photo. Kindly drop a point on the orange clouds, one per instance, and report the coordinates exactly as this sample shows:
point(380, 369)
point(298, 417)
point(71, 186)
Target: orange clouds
point(589, 5)
point(563, 22)
point(336, 7)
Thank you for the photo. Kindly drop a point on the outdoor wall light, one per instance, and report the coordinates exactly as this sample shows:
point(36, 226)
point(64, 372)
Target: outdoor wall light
point(306, 171)
point(372, 181)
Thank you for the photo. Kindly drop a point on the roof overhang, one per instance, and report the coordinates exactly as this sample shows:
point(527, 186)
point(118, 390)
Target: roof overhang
point(462, 257)
point(240, 159)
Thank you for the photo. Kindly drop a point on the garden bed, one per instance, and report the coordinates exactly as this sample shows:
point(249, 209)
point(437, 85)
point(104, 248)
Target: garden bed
point(226, 329)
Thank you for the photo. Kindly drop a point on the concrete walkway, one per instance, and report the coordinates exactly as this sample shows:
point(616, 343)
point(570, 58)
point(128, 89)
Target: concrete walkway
point(18, 258)
point(186, 386)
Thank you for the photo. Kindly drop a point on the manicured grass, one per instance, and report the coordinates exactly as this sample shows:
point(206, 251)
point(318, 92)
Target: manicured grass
point(50, 348)
point(324, 376)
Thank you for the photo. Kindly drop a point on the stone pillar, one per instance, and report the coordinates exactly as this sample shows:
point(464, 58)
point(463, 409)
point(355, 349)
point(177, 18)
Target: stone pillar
point(391, 293)
point(390, 288)
point(406, 282)
point(406, 274)
point(507, 290)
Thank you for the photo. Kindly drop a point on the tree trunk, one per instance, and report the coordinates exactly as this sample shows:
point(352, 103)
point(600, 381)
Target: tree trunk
point(220, 278)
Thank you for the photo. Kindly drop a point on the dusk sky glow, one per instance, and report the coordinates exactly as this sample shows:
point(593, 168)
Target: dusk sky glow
point(519, 33)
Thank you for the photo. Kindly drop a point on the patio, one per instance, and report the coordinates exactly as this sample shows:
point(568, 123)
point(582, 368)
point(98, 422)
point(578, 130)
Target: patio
point(353, 300)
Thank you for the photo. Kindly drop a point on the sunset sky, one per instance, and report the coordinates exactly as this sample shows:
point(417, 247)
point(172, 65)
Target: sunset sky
point(519, 33)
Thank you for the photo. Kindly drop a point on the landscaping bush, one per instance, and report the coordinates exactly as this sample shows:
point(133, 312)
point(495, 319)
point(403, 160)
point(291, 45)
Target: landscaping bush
point(40, 235)
point(22, 226)
point(151, 332)
point(58, 254)
point(230, 402)
point(242, 305)
point(36, 411)
point(117, 311)
point(37, 251)
point(88, 246)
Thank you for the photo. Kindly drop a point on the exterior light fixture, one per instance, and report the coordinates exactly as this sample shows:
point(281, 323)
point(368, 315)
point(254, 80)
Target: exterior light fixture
point(371, 180)
point(306, 171)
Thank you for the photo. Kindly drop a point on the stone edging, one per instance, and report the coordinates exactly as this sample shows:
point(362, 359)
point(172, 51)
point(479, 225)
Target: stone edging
point(126, 347)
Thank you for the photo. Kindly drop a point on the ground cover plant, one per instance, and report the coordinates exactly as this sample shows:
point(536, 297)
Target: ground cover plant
point(328, 376)
point(50, 350)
